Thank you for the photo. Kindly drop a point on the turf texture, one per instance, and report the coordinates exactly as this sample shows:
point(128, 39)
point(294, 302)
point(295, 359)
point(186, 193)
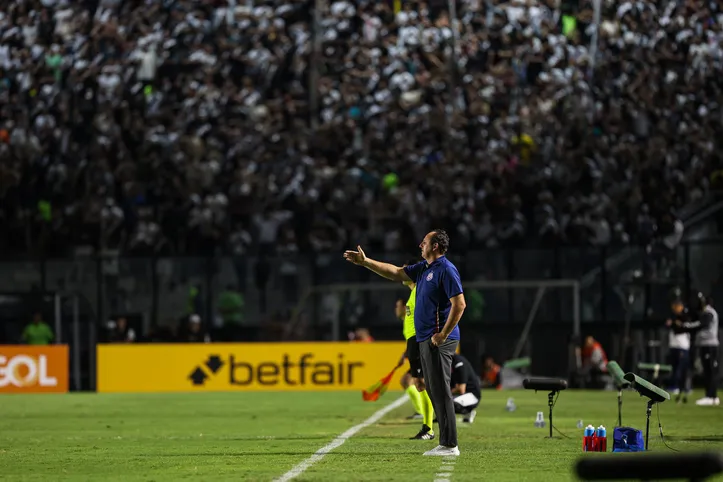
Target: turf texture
point(261, 436)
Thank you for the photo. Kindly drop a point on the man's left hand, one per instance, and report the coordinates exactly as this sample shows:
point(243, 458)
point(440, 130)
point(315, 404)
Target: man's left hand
point(438, 339)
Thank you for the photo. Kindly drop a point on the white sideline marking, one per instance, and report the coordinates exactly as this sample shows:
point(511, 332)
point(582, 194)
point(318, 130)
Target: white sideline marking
point(338, 441)
point(445, 471)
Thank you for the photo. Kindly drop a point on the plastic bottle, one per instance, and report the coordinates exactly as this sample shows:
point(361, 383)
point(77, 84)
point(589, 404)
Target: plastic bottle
point(540, 420)
point(580, 424)
point(602, 439)
point(588, 441)
point(510, 407)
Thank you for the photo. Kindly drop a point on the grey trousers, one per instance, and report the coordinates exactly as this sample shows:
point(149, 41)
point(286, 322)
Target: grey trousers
point(437, 370)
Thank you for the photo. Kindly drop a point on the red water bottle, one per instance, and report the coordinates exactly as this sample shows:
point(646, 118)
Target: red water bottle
point(588, 439)
point(602, 439)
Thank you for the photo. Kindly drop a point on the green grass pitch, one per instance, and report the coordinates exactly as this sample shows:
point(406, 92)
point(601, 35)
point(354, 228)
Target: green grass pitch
point(261, 436)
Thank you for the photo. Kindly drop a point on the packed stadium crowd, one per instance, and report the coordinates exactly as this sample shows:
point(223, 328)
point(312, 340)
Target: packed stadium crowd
point(181, 126)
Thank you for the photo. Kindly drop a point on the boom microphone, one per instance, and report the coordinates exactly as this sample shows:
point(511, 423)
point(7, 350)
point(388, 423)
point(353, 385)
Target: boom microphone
point(621, 383)
point(552, 385)
point(544, 383)
point(618, 375)
point(647, 389)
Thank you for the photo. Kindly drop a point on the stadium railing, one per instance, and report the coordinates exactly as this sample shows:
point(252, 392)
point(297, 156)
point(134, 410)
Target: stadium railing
point(158, 289)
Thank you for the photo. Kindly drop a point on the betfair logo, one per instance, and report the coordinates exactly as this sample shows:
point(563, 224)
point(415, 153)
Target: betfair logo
point(287, 371)
point(199, 375)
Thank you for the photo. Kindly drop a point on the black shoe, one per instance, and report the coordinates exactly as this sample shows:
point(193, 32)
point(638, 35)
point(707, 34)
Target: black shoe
point(416, 416)
point(424, 434)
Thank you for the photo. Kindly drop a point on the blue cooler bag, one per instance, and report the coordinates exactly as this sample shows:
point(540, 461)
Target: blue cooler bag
point(628, 439)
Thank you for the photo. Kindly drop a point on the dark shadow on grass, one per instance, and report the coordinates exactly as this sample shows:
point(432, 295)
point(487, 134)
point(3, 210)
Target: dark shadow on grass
point(376, 437)
point(267, 454)
point(271, 438)
point(695, 438)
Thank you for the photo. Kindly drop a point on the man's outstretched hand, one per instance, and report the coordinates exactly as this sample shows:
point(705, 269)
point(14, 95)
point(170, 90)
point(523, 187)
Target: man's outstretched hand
point(357, 257)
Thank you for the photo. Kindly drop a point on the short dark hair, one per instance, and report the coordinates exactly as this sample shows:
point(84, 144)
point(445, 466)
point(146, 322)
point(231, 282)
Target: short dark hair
point(440, 237)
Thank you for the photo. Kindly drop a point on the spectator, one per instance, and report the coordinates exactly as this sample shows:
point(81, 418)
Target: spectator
point(120, 332)
point(491, 374)
point(38, 332)
point(361, 335)
point(193, 332)
point(230, 306)
point(120, 121)
point(594, 363)
point(195, 301)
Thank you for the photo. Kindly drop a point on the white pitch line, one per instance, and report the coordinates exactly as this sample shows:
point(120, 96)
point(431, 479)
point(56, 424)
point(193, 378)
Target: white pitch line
point(338, 441)
point(445, 471)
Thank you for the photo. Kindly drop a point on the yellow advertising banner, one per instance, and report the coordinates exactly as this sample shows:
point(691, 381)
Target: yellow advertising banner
point(245, 366)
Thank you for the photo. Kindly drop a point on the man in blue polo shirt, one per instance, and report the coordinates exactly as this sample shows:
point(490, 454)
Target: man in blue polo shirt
point(439, 307)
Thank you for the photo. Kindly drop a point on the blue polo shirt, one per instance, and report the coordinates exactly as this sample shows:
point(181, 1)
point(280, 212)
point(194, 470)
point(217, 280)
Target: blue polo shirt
point(436, 284)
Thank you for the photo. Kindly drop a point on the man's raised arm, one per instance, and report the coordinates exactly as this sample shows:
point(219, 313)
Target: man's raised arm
point(702, 323)
point(385, 270)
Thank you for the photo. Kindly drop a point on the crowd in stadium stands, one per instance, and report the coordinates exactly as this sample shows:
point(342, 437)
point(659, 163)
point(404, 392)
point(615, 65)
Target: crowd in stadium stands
point(176, 126)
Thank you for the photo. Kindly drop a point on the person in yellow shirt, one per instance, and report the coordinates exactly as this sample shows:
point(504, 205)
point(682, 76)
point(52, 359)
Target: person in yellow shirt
point(413, 380)
point(526, 147)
